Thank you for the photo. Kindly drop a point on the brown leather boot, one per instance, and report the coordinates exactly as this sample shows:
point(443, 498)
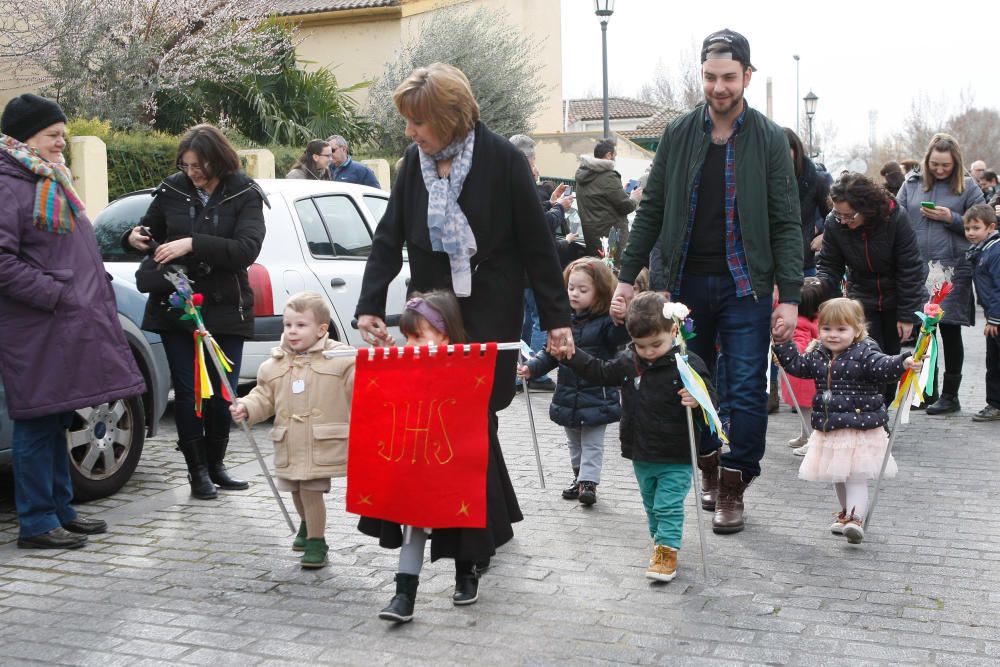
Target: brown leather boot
point(709, 467)
point(729, 505)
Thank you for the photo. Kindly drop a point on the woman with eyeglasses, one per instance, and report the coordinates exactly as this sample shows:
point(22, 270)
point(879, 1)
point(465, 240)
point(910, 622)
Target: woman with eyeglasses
point(314, 163)
point(207, 218)
point(869, 238)
point(936, 197)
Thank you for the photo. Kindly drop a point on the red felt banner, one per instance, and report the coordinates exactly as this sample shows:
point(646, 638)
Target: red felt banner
point(419, 436)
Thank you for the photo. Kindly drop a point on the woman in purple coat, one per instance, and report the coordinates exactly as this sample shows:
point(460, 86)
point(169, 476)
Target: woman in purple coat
point(61, 346)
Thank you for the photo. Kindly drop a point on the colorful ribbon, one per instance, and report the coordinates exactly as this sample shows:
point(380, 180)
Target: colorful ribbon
point(190, 302)
point(926, 350)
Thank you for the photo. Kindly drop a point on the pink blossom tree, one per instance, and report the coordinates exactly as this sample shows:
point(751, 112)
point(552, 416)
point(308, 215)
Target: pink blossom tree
point(110, 58)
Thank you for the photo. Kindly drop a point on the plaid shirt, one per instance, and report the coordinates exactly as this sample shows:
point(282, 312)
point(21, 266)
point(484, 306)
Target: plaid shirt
point(736, 256)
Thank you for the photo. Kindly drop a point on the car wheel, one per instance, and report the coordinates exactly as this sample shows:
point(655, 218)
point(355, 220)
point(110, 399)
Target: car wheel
point(105, 443)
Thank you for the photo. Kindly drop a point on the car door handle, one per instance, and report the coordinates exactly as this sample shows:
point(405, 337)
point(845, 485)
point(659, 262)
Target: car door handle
point(337, 282)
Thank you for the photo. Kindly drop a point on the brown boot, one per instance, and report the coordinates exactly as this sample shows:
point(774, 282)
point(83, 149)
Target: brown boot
point(709, 466)
point(729, 506)
point(773, 399)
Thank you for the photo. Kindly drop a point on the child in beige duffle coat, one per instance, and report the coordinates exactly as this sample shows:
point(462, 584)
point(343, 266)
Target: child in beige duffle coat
point(309, 396)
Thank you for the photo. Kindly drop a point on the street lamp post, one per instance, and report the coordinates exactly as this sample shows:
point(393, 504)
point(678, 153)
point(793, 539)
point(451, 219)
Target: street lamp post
point(798, 116)
point(810, 100)
point(604, 9)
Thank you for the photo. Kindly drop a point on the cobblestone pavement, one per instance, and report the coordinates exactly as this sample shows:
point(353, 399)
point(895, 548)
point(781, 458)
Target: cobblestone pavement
point(183, 581)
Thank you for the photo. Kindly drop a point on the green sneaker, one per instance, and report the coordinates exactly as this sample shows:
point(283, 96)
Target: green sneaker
point(299, 543)
point(315, 552)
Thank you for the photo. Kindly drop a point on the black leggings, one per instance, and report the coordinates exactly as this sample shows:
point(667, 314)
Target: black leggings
point(882, 327)
point(951, 345)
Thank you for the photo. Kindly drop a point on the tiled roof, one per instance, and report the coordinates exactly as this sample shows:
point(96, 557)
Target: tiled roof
point(654, 127)
point(295, 7)
point(618, 107)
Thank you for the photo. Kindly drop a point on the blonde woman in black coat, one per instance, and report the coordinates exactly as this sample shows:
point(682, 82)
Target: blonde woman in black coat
point(465, 206)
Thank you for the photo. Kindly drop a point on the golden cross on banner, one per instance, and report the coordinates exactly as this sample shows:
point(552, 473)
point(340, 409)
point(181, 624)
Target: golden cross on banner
point(464, 509)
point(366, 500)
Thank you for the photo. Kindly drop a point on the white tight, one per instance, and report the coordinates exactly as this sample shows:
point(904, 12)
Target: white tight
point(853, 495)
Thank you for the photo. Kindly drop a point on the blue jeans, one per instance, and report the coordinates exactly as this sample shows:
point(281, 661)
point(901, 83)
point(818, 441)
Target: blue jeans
point(215, 420)
point(663, 487)
point(743, 325)
point(530, 331)
point(42, 485)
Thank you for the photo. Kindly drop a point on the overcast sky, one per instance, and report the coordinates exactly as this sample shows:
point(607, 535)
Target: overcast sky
point(851, 54)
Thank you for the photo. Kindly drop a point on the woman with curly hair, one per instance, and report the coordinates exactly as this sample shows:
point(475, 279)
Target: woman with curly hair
point(872, 241)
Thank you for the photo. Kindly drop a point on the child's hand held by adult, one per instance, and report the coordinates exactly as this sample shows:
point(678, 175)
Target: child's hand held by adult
point(239, 412)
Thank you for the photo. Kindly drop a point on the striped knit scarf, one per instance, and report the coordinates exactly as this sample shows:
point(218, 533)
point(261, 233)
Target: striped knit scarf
point(57, 206)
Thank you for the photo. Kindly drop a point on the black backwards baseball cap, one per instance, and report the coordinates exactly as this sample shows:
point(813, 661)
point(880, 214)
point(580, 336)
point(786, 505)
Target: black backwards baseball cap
point(736, 47)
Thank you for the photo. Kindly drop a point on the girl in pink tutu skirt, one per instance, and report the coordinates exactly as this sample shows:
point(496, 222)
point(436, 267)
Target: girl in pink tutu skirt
point(848, 441)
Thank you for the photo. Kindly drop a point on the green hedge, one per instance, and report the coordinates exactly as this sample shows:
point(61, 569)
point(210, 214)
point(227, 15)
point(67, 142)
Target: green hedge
point(138, 160)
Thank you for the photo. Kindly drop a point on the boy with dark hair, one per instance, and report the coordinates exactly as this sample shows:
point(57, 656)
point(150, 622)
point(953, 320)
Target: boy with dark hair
point(653, 431)
point(984, 255)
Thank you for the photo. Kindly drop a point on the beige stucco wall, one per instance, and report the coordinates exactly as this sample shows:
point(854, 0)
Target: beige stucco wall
point(355, 45)
point(558, 154)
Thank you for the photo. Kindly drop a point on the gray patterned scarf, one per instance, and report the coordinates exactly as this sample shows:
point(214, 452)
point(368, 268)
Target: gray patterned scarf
point(448, 226)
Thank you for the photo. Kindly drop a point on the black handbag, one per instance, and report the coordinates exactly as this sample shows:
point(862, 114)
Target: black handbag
point(150, 277)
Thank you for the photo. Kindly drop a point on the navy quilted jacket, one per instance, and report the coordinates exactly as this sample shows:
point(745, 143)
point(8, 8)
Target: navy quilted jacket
point(576, 401)
point(848, 388)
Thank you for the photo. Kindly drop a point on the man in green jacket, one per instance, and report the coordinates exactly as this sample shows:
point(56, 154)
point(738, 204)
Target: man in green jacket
point(722, 203)
point(601, 199)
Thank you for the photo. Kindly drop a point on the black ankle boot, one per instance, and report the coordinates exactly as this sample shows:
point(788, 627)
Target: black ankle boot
point(948, 402)
point(216, 468)
point(466, 583)
point(194, 455)
point(400, 608)
point(572, 492)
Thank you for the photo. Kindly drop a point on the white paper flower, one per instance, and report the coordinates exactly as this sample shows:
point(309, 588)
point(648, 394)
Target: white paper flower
point(674, 310)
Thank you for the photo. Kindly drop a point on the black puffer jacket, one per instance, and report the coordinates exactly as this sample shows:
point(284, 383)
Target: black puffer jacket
point(882, 262)
point(848, 388)
point(654, 423)
point(576, 401)
point(227, 235)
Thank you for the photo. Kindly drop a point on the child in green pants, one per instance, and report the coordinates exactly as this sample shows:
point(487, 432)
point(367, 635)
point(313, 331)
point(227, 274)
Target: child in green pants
point(654, 431)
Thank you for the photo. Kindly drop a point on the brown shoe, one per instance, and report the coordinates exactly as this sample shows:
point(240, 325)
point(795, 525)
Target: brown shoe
point(663, 564)
point(729, 506)
point(839, 519)
point(854, 529)
point(709, 466)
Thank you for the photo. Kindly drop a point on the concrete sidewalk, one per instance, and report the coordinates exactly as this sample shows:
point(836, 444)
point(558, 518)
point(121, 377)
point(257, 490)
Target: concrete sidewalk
point(184, 581)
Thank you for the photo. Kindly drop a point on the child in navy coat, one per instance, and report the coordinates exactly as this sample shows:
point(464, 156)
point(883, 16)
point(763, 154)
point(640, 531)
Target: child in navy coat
point(848, 441)
point(583, 408)
point(984, 255)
